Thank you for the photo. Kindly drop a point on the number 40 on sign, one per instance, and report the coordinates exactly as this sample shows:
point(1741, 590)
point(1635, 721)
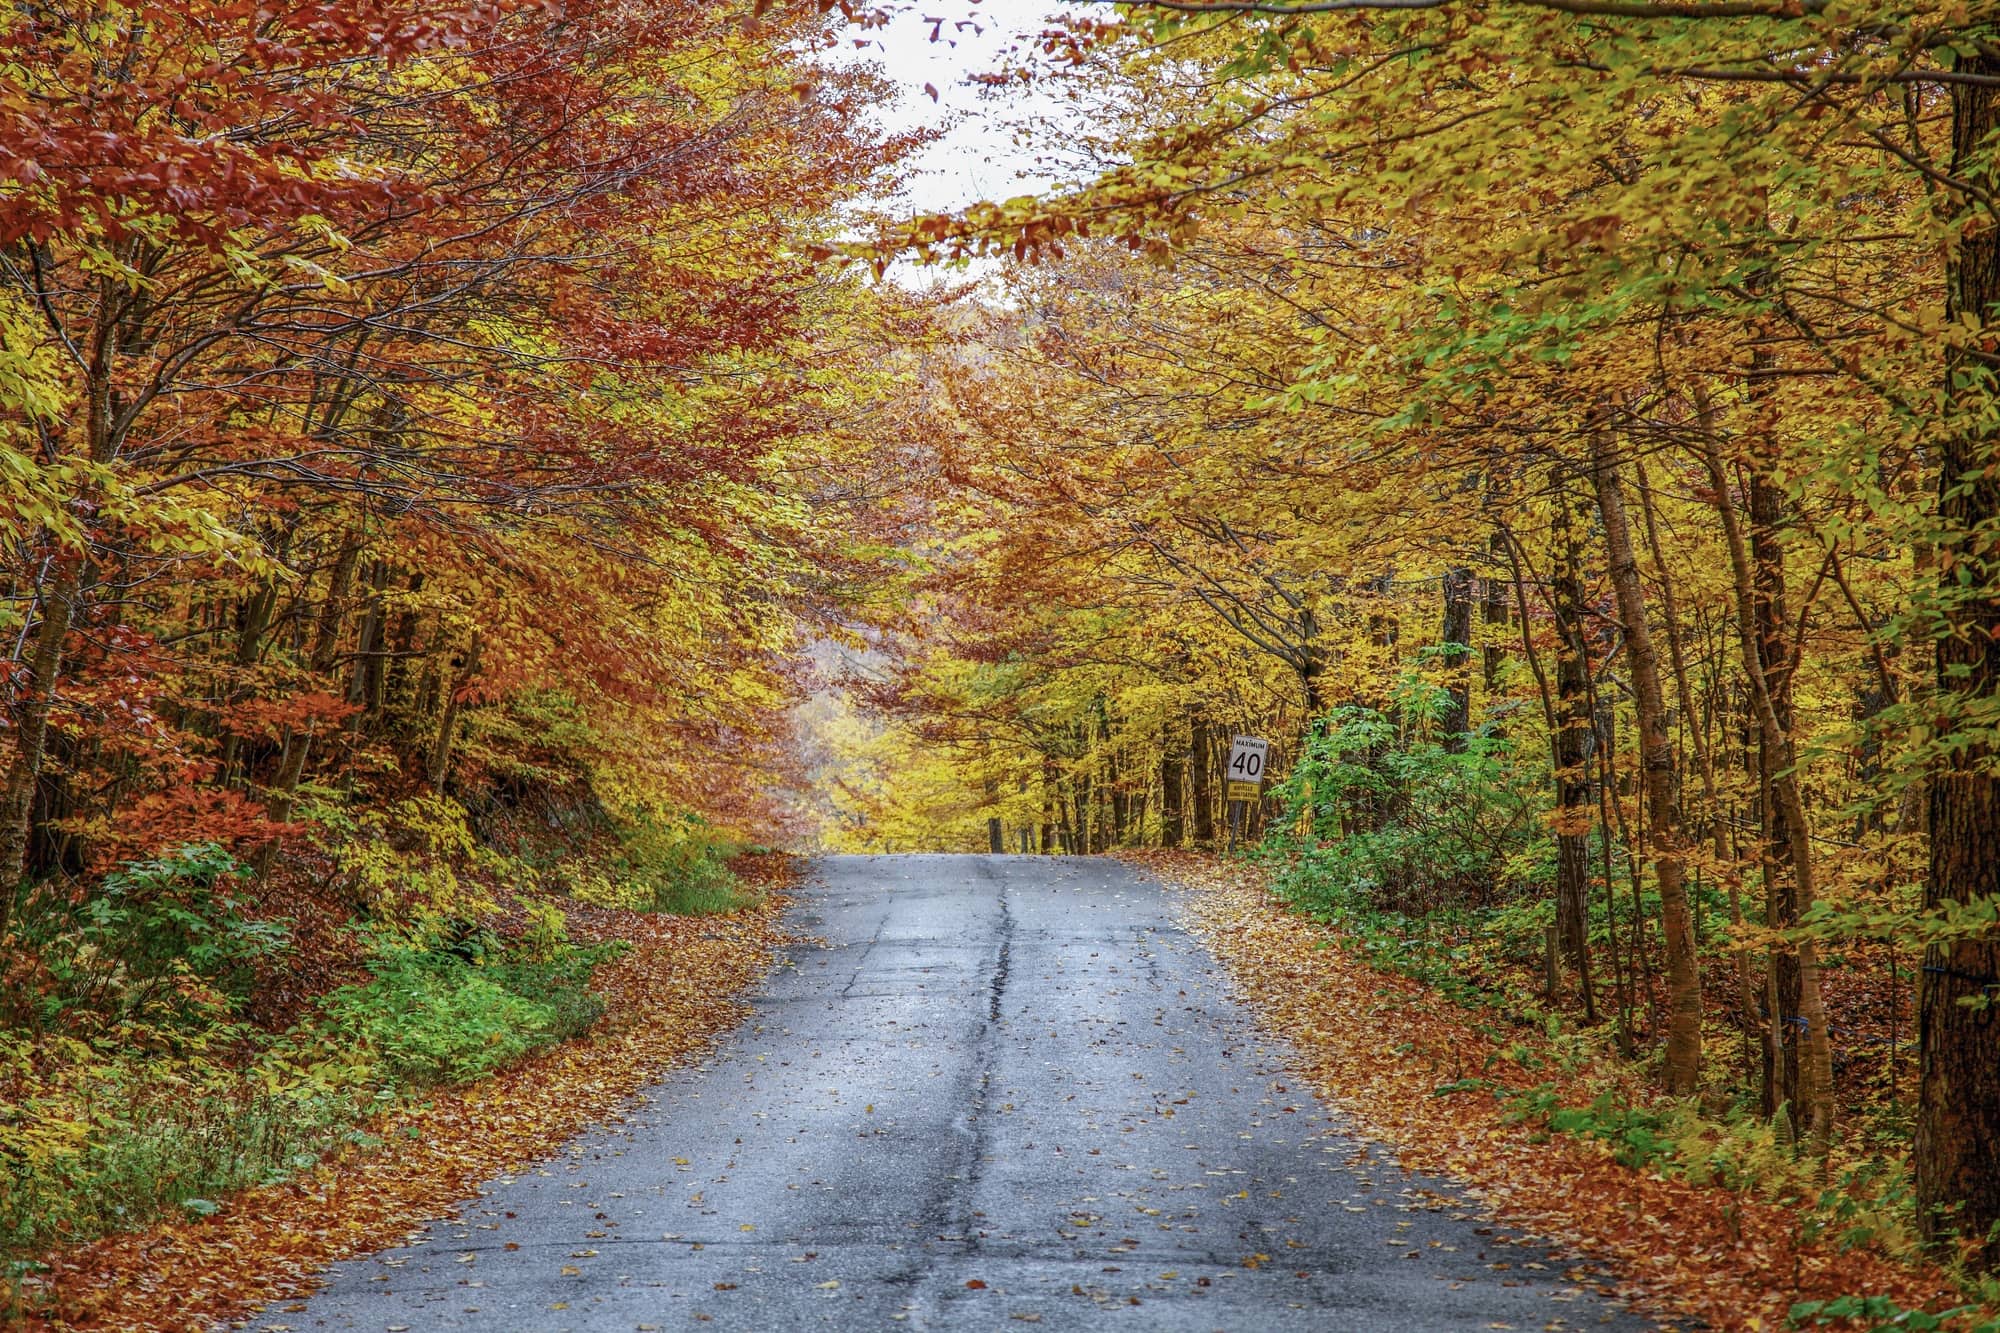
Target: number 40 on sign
point(1245, 779)
point(1246, 767)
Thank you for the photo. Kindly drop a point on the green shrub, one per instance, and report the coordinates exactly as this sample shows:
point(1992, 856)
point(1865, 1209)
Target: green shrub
point(1879, 1312)
point(593, 886)
point(1435, 862)
point(160, 949)
point(559, 985)
point(1394, 820)
point(681, 861)
point(430, 1017)
point(1637, 1137)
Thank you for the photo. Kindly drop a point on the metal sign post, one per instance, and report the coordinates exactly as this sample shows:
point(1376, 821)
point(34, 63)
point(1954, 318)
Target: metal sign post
point(1245, 778)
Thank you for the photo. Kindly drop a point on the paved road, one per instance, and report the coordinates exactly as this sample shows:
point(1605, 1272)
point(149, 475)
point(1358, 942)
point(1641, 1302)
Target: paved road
point(998, 1092)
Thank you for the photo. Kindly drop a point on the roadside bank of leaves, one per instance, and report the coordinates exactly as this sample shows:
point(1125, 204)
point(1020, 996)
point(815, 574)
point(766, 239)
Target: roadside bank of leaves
point(666, 998)
point(1430, 1079)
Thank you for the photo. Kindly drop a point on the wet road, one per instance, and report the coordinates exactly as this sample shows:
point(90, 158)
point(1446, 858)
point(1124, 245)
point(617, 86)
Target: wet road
point(994, 1092)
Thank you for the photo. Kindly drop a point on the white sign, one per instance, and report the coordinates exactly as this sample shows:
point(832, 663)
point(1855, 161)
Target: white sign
point(1246, 767)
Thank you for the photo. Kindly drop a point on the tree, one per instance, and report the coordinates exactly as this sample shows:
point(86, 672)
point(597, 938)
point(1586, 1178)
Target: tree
point(1958, 1187)
point(392, 381)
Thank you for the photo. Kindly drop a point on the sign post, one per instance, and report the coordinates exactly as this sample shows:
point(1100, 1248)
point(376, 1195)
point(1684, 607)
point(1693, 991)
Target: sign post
point(1245, 779)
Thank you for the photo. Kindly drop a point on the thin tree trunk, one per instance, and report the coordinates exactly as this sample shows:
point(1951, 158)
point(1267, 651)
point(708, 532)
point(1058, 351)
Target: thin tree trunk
point(1493, 612)
point(1173, 824)
point(1456, 636)
point(1570, 742)
point(364, 676)
point(1051, 804)
point(996, 833)
point(440, 759)
point(1090, 811)
point(1768, 1034)
point(254, 621)
point(1570, 932)
point(402, 645)
point(1626, 976)
point(1767, 587)
point(320, 660)
point(1656, 762)
point(1816, 1074)
point(31, 726)
point(101, 441)
point(1201, 776)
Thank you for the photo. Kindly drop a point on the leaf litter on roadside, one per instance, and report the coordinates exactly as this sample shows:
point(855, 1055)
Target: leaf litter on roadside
point(1378, 1046)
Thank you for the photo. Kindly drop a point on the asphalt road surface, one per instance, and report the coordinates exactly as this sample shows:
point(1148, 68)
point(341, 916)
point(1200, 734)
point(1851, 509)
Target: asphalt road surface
point(994, 1092)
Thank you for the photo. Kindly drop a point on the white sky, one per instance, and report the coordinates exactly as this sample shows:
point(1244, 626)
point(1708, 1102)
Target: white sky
point(979, 157)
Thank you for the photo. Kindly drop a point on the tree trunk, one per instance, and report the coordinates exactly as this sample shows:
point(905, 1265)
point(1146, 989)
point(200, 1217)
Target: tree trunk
point(1574, 732)
point(1121, 800)
point(253, 620)
point(364, 680)
point(996, 833)
point(1202, 781)
point(325, 650)
point(31, 725)
point(101, 441)
point(1083, 798)
point(1456, 637)
point(1572, 780)
point(440, 760)
point(402, 645)
point(1780, 892)
point(1958, 1104)
point(1052, 799)
point(1749, 988)
point(1173, 824)
point(1781, 788)
point(1656, 762)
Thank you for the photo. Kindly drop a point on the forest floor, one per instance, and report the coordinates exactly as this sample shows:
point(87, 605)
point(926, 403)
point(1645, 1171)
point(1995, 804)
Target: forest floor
point(667, 998)
point(1431, 1079)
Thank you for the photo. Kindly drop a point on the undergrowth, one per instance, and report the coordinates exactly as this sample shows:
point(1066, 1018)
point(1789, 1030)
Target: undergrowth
point(1435, 863)
point(133, 1083)
point(660, 861)
point(133, 1086)
point(109, 1132)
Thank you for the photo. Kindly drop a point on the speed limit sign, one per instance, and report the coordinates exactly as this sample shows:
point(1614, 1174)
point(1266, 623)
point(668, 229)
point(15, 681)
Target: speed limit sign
point(1246, 767)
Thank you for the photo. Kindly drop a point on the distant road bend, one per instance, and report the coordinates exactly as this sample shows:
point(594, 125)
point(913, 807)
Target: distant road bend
point(993, 1092)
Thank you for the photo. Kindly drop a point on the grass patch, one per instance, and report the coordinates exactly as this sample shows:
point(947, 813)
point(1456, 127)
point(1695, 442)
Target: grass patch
point(426, 1018)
